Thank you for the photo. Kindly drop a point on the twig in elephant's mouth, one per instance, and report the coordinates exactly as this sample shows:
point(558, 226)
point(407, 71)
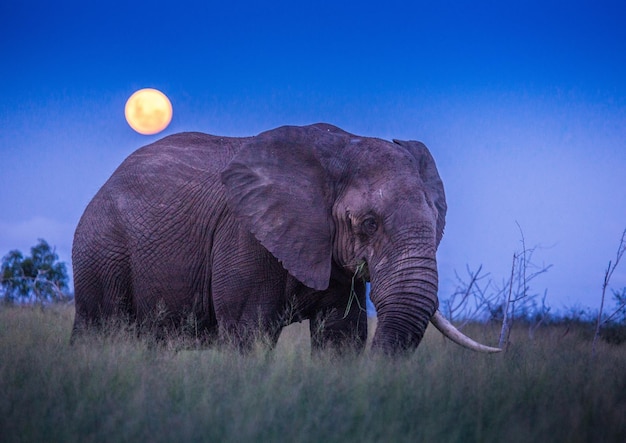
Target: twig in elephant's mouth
point(360, 271)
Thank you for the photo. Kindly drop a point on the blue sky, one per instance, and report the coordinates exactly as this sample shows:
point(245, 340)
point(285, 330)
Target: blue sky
point(523, 105)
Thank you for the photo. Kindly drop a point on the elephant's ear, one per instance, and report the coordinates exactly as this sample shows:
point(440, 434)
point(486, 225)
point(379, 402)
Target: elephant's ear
point(430, 176)
point(279, 189)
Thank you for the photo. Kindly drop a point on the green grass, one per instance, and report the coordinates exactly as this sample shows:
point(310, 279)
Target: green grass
point(118, 388)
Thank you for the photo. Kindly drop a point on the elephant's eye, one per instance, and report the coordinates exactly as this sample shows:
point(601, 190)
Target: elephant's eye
point(370, 226)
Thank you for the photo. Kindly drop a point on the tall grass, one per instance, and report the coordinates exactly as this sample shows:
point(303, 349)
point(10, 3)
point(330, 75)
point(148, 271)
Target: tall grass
point(120, 388)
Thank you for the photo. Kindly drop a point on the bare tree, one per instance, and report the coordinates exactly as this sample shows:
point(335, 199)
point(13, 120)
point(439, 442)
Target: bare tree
point(542, 314)
point(607, 278)
point(518, 294)
point(507, 322)
point(477, 294)
point(469, 300)
point(620, 305)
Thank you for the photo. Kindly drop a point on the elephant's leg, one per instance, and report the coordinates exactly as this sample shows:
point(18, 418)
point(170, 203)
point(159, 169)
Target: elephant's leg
point(247, 287)
point(332, 326)
point(102, 290)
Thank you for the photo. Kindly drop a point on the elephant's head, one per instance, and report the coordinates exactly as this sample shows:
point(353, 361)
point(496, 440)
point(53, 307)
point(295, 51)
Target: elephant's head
point(318, 197)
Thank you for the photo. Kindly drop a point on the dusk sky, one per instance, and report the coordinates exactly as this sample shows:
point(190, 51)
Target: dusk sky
point(522, 104)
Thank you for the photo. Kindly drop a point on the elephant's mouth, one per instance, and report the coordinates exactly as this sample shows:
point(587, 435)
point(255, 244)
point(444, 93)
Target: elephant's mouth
point(362, 271)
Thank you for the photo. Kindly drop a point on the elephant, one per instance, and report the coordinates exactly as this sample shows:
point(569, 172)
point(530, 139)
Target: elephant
point(246, 235)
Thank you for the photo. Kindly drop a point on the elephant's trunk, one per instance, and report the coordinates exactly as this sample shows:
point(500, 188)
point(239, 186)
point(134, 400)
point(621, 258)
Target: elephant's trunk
point(404, 292)
point(405, 297)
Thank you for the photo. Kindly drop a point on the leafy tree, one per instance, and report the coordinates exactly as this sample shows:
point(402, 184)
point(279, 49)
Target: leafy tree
point(38, 277)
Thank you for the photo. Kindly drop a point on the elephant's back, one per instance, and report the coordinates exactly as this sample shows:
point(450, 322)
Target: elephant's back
point(194, 152)
point(177, 165)
point(174, 177)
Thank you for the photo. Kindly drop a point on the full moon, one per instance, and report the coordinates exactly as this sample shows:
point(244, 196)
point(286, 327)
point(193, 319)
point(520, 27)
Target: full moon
point(148, 111)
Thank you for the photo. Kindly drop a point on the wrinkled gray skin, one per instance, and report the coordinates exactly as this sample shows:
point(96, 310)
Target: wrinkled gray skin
point(239, 234)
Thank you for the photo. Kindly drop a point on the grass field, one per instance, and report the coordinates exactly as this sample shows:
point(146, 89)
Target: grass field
point(118, 388)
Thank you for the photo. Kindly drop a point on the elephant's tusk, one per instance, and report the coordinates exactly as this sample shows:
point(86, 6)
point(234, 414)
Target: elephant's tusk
point(448, 329)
